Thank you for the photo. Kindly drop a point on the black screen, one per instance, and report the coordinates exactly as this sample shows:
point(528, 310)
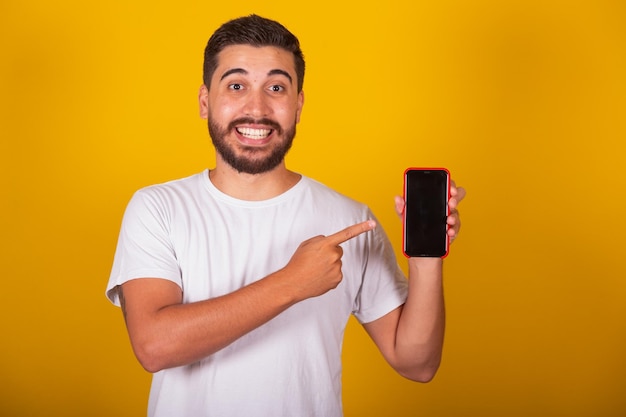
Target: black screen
point(426, 209)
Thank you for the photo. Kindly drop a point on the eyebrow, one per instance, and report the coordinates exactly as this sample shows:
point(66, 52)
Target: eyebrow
point(280, 72)
point(243, 71)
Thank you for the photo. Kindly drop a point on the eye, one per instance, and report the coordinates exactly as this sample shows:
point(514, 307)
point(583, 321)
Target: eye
point(235, 86)
point(277, 88)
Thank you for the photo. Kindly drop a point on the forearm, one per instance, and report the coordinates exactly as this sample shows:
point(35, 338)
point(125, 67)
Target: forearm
point(178, 334)
point(420, 333)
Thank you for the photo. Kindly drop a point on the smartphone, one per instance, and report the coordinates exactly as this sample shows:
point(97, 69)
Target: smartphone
point(426, 195)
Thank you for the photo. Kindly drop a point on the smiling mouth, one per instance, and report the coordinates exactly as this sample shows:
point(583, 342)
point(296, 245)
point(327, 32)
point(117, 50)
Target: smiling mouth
point(255, 134)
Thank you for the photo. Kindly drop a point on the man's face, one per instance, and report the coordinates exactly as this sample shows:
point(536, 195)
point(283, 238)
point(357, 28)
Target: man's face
point(252, 107)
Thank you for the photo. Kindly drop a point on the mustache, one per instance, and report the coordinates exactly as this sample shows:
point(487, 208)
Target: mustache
point(262, 121)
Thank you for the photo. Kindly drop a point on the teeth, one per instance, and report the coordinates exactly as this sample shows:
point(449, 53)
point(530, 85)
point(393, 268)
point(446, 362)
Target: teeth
point(254, 133)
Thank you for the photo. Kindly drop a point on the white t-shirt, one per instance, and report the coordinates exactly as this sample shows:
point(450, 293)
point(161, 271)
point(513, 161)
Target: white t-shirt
point(211, 244)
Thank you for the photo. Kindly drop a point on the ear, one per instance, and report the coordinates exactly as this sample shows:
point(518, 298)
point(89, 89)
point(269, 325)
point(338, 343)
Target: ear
point(299, 106)
point(203, 101)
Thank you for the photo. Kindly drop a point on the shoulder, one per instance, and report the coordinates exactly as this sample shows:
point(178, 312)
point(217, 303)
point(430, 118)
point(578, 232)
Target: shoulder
point(171, 189)
point(328, 195)
point(163, 198)
point(335, 209)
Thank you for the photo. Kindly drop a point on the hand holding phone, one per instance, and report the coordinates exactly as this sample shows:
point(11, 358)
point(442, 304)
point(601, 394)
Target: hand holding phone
point(426, 195)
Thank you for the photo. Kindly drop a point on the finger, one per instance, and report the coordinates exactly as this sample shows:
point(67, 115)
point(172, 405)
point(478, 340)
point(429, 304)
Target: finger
point(350, 232)
point(451, 220)
point(456, 195)
point(454, 223)
point(460, 194)
point(452, 234)
point(399, 204)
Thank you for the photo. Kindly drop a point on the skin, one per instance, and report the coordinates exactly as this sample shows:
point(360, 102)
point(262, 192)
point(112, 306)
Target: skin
point(260, 83)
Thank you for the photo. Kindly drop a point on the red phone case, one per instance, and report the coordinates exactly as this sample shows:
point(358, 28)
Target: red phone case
point(447, 207)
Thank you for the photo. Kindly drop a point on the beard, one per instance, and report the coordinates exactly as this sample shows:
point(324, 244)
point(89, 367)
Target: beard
point(249, 159)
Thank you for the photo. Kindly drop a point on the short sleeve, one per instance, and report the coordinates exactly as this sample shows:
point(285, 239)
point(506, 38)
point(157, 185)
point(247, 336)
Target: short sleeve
point(144, 247)
point(384, 286)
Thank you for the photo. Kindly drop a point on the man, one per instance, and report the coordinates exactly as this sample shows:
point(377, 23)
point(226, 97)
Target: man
point(236, 284)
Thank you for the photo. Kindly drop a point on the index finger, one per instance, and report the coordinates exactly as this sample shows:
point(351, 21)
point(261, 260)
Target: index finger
point(460, 194)
point(350, 232)
point(457, 193)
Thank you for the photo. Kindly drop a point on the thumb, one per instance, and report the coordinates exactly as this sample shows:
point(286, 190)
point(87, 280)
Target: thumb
point(399, 203)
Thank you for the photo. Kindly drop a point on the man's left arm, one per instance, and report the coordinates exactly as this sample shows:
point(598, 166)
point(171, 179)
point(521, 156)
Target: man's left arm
point(411, 336)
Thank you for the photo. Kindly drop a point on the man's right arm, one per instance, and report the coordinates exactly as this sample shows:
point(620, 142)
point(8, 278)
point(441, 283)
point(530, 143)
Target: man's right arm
point(166, 333)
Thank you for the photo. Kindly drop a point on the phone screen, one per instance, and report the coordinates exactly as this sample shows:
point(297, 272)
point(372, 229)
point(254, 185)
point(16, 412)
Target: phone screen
point(426, 193)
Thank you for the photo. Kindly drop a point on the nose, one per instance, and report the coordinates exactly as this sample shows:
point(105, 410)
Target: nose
point(257, 104)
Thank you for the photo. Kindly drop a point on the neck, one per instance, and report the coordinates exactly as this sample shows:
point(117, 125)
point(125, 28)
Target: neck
point(252, 187)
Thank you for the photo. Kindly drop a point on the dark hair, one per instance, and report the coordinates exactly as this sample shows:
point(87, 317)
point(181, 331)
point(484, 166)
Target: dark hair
point(255, 31)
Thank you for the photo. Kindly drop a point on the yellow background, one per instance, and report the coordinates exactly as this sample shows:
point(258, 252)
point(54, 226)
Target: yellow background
point(524, 101)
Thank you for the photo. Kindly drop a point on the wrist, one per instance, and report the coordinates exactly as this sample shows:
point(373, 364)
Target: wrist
point(426, 265)
point(426, 261)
